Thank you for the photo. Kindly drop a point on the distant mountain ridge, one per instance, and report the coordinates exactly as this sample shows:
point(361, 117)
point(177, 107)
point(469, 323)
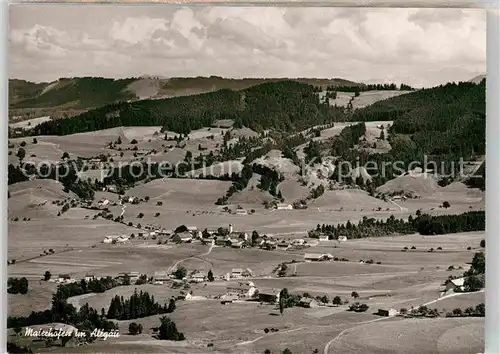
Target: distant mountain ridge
point(91, 92)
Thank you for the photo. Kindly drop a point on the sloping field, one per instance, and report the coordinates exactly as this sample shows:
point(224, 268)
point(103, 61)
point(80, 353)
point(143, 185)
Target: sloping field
point(417, 183)
point(29, 239)
point(405, 336)
point(40, 187)
point(218, 169)
point(260, 262)
point(251, 195)
point(293, 190)
point(457, 191)
point(33, 199)
point(30, 123)
point(349, 199)
point(243, 132)
point(162, 294)
point(367, 98)
point(38, 298)
point(343, 98)
point(182, 192)
point(144, 88)
point(461, 301)
point(274, 160)
point(105, 260)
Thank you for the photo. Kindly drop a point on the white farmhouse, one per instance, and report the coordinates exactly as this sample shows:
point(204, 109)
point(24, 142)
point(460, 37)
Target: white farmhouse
point(284, 206)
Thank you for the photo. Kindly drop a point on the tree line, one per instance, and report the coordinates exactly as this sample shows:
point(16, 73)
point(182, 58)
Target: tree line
point(423, 224)
point(138, 305)
point(370, 87)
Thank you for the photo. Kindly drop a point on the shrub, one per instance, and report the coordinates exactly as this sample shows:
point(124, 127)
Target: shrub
point(482, 243)
point(159, 203)
point(134, 141)
point(457, 312)
point(413, 247)
point(266, 330)
point(469, 248)
point(337, 300)
point(157, 214)
point(440, 248)
point(134, 328)
point(140, 216)
point(446, 205)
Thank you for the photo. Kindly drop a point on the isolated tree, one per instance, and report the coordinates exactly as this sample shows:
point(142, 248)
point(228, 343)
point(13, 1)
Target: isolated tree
point(255, 236)
point(446, 204)
point(47, 275)
point(171, 306)
point(482, 243)
point(168, 330)
point(35, 141)
point(180, 273)
point(282, 305)
point(210, 275)
point(382, 135)
point(65, 155)
point(134, 328)
point(21, 154)
point(280, 196)
point(119, 140)
point(286, 351)
point(23, 144)
point(134, 141)
point(337, 300)
point(354, 295)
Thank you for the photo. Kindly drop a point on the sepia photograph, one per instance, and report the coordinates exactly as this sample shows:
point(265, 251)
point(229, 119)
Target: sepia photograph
point(231, 179)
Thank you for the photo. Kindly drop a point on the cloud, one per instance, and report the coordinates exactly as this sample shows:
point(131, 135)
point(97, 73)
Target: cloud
point(417, 46)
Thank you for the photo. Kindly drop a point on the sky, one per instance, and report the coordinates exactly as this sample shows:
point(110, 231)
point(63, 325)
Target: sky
point(420, 47)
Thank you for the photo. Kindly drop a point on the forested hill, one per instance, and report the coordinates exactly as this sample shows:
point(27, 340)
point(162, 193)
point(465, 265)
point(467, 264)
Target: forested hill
point(443, 124)
point(286, 105)
point(466, 95)
point(92, 92)
point(80, 93)
point(445, 120)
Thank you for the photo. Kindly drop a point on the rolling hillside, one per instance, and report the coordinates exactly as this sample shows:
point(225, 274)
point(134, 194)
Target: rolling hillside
point(284, 105)
point(92, 92)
